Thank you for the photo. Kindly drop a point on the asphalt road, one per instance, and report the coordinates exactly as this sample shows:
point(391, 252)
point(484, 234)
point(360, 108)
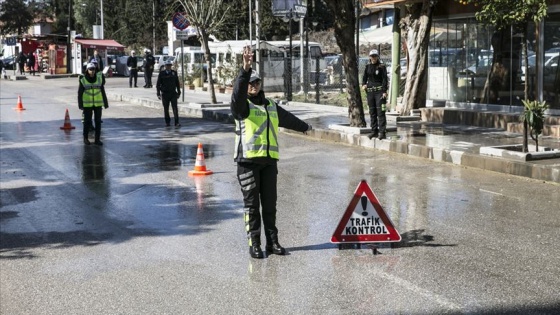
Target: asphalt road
point(122, 228)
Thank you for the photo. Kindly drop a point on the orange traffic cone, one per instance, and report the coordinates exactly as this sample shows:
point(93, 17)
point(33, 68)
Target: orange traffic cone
point(67, 124)
point(199, 165)
point(19, 107)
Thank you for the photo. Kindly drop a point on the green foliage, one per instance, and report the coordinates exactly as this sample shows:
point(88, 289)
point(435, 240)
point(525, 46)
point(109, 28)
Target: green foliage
point(229, 69)
point(534, 116)
point(15, 16)
point(503, 13)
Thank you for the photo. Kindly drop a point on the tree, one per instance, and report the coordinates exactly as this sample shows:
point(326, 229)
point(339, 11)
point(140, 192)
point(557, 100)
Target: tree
point(504, 14)
point(415, 27)
point(15, 17)
point(206, 16)
point(344, 32)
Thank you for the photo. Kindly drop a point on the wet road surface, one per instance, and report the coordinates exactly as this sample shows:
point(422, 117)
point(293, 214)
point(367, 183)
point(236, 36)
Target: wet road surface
point(122, 229)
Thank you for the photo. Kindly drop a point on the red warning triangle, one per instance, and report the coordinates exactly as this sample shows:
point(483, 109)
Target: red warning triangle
point(365, 221)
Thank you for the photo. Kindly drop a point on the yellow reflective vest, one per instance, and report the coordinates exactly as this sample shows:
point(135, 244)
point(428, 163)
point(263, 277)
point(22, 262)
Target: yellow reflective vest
point(92, 96)
point(257, 134)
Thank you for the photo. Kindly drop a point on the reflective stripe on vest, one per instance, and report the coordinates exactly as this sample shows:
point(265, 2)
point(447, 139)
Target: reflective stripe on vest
point(92, 96)
point(258, 133)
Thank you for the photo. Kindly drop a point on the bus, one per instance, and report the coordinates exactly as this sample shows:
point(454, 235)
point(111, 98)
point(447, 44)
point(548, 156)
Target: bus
point(227, 59)
point(192, 59)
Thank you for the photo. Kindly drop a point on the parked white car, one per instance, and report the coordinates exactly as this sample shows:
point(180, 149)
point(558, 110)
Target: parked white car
point(160, 61)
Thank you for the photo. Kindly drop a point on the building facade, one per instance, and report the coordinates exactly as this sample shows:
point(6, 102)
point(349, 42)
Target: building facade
point(463, 50)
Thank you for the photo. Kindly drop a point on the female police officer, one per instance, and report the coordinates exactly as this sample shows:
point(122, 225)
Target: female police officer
point(256, 152)
point(91, 97)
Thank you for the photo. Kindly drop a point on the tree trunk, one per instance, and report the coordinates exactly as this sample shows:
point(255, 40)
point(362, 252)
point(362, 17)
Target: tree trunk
point(344, 32)
point(415, 27)
point(204, 37)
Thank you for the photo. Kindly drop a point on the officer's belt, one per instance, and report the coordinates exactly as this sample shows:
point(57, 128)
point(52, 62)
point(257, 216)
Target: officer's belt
point(374, 88)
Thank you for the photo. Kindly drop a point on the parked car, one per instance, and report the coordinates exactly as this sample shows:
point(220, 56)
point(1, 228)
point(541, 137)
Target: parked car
point(119, 65)
point(9, 62)
point(550, 65)
point(160, 61)
point(140, 63)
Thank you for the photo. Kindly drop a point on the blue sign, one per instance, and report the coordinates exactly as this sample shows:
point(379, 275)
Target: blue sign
point(180, 21)
point(11, 41)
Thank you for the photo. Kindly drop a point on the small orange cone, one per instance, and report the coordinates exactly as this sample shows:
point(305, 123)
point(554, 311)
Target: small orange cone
point(19, 107)
point(199, 165)
point(67, 124)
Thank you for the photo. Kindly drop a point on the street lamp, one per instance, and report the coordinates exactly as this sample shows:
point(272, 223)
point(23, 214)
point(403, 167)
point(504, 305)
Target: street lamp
point(101, 36)
point(314, 22)
point(291, 15)
point(101, 4)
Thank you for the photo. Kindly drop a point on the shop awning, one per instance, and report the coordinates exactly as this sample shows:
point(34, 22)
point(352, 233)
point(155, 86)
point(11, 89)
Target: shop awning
point(383, 35)
point(104, 44)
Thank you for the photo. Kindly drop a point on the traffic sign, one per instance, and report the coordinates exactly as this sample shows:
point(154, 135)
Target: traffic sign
point(180, 21)
point(186, 33)
point(300, 9)
point(365, 221)
point(11, 41)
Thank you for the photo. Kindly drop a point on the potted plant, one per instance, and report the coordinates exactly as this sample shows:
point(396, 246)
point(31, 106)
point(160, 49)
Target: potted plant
point(195, 75)
point(188, 82)
point(533, 116)
point(228, 71)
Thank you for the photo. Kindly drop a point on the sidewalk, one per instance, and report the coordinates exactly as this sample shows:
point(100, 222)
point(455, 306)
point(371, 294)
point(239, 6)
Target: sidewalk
point(457, 144)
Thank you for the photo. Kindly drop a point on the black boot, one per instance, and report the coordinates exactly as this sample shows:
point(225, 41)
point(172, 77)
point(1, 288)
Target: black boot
point(86, 140)
point(256, 252)
point(373, 134)
point(275, 248)
point(382, 136)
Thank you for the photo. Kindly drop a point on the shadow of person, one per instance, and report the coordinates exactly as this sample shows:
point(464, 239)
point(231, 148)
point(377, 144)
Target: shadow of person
point(94, 170)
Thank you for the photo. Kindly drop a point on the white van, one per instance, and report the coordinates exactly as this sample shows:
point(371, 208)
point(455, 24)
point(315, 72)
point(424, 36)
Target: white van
point(191, 58)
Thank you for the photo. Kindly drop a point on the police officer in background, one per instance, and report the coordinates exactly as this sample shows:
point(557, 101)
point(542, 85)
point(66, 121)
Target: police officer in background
point(91, 98)
point(168, 91)
point(149, 62)
point(97, 60)
point(132, 64)
point(257, 119)
point(375, 82)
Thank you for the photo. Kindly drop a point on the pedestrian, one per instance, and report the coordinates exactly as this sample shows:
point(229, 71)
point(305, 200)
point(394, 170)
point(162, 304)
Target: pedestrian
point(1, 67)
point(91, 99)
point(149, 62)
point(257, 119)
point(375, 83)
point(132, 64)
point(98, 60)
point(31, 63)
point(168, 91)
point(21, 62)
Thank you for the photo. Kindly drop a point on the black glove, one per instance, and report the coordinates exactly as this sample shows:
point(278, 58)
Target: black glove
point(81, 107)
point(106, 106)
point(178, 95)
point(159, 96)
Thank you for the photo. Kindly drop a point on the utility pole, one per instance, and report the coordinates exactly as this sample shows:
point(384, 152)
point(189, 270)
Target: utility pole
point(396, 61)
point(301, 56)
point(258, 36)
point(154, 27)
point(68, 42)
point(102, 35)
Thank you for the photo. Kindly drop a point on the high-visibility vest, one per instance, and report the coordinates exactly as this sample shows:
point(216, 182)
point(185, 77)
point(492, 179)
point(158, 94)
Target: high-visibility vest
point(92, 96)
point(258, 133)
